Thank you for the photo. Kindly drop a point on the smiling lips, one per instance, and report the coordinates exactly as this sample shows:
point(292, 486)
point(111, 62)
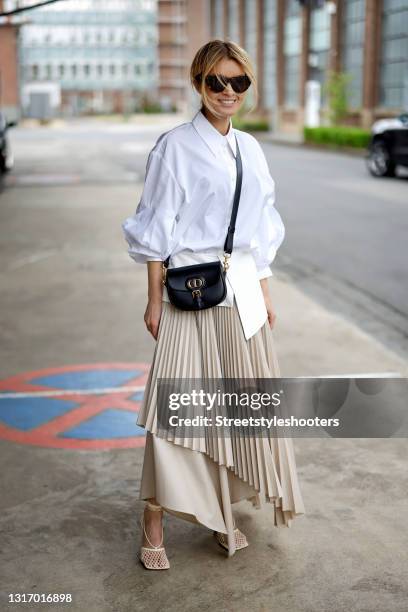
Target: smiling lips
point(228, 102)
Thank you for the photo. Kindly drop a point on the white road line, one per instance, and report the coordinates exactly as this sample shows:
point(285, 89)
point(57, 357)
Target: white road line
point(52, 393)
point(55, 392)
point(359, 375)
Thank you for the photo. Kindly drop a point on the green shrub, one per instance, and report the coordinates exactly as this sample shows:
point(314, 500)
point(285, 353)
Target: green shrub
point(337, 89)
point(339, 135)
point(250, 125)
point(151, 107)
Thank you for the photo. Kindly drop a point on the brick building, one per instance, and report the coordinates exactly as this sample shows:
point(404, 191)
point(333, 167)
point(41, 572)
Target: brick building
point(183, 26)
point(9, 71)
point(293, 41)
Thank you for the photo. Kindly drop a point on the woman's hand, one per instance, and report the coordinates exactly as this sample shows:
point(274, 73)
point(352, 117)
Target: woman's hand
point(268, 302)
point(152, 316)
point(270, 310)
point(154, 306)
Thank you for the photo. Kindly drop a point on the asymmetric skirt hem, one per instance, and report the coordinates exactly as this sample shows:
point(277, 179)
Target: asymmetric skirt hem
point(198, 479)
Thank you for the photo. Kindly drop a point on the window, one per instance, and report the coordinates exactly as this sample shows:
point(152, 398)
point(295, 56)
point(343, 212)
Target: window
point(393, 85)
point(319, 45)
point(218, 19)
point(250, 44)
point(269, 58)
point(233, 20)
point(353, 48)
point(292, 45)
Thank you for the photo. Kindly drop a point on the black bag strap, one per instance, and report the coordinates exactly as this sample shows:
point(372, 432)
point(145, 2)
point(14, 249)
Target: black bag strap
point(229, 241)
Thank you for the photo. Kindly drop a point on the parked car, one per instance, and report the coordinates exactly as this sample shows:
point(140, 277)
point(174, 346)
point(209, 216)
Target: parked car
point(388, 146)
point(6, 156)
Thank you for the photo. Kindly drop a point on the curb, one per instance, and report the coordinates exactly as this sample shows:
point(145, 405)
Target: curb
point(267, 138)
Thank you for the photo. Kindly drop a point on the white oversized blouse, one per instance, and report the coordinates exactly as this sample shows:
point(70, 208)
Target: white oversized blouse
point(186, 204)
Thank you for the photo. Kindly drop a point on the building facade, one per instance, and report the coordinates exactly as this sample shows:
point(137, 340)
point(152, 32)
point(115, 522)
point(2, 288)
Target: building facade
point(295, 41)
point(101, 53)
point(184, 25)
point(9, 69)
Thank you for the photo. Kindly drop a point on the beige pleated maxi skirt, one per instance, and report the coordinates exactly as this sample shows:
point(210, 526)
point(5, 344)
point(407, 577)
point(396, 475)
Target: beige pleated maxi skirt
point(189, 477)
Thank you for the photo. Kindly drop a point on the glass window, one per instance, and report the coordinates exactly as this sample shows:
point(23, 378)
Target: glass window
point(250, 42)
point(292, 44)
point(393, 81)
point(269, 59)
point(319, 45)
point(353, 49)
point(233, 20)
point(250, 30)
point(218, 19)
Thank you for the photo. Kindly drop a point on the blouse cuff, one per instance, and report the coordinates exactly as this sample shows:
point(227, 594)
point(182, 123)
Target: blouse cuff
point(264, 273)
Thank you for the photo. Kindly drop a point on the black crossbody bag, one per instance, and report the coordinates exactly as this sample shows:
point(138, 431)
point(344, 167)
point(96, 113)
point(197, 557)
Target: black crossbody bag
point(204, 285)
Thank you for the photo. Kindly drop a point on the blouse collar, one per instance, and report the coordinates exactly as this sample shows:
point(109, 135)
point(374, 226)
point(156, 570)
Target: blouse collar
point(211, 136)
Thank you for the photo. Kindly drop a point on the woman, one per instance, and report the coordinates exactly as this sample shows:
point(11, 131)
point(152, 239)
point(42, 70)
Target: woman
point(184, 212)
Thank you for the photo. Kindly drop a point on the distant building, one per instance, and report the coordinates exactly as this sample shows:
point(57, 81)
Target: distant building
point(294, 41)
point(9, 73)
point(184, 26)
point(103, 53)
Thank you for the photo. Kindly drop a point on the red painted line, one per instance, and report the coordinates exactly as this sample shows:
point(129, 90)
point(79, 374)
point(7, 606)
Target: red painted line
point(24, 437)
point(25, 377)
point(89, 405)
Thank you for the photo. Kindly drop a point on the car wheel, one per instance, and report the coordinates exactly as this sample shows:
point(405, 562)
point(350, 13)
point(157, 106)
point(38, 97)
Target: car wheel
point(379, 161)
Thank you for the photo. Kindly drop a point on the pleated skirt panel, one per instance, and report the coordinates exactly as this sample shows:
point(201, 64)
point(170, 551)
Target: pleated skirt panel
point(199, 478)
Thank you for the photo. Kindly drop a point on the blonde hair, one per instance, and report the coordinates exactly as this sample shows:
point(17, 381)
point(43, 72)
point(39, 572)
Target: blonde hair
point(208, 56)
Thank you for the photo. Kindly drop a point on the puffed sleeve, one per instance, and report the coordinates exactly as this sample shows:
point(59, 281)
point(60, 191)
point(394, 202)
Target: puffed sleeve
point(150, 231)
point(271, 230)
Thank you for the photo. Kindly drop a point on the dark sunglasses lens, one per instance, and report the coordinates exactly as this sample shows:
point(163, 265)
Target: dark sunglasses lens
point(214, 83)
point(240, 83)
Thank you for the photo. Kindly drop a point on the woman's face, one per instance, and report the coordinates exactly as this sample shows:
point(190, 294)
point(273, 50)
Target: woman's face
point(227, 102)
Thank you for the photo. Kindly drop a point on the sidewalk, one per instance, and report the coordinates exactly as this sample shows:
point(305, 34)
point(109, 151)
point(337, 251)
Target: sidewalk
point(312, 341)
point(69, 518)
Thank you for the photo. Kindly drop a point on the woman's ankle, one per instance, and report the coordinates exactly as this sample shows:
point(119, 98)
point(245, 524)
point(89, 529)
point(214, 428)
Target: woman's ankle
point(153, 520)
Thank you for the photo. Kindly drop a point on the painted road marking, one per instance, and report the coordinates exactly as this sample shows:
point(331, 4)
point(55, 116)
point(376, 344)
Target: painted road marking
point(74, 391)
point(87, 406)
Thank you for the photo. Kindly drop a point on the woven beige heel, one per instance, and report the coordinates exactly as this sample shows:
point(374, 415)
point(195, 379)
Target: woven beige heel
point(153, 558)
point(240, 539)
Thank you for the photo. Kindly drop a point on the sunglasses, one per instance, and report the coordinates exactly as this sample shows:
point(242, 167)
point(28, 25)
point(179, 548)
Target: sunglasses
point(218, 82)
